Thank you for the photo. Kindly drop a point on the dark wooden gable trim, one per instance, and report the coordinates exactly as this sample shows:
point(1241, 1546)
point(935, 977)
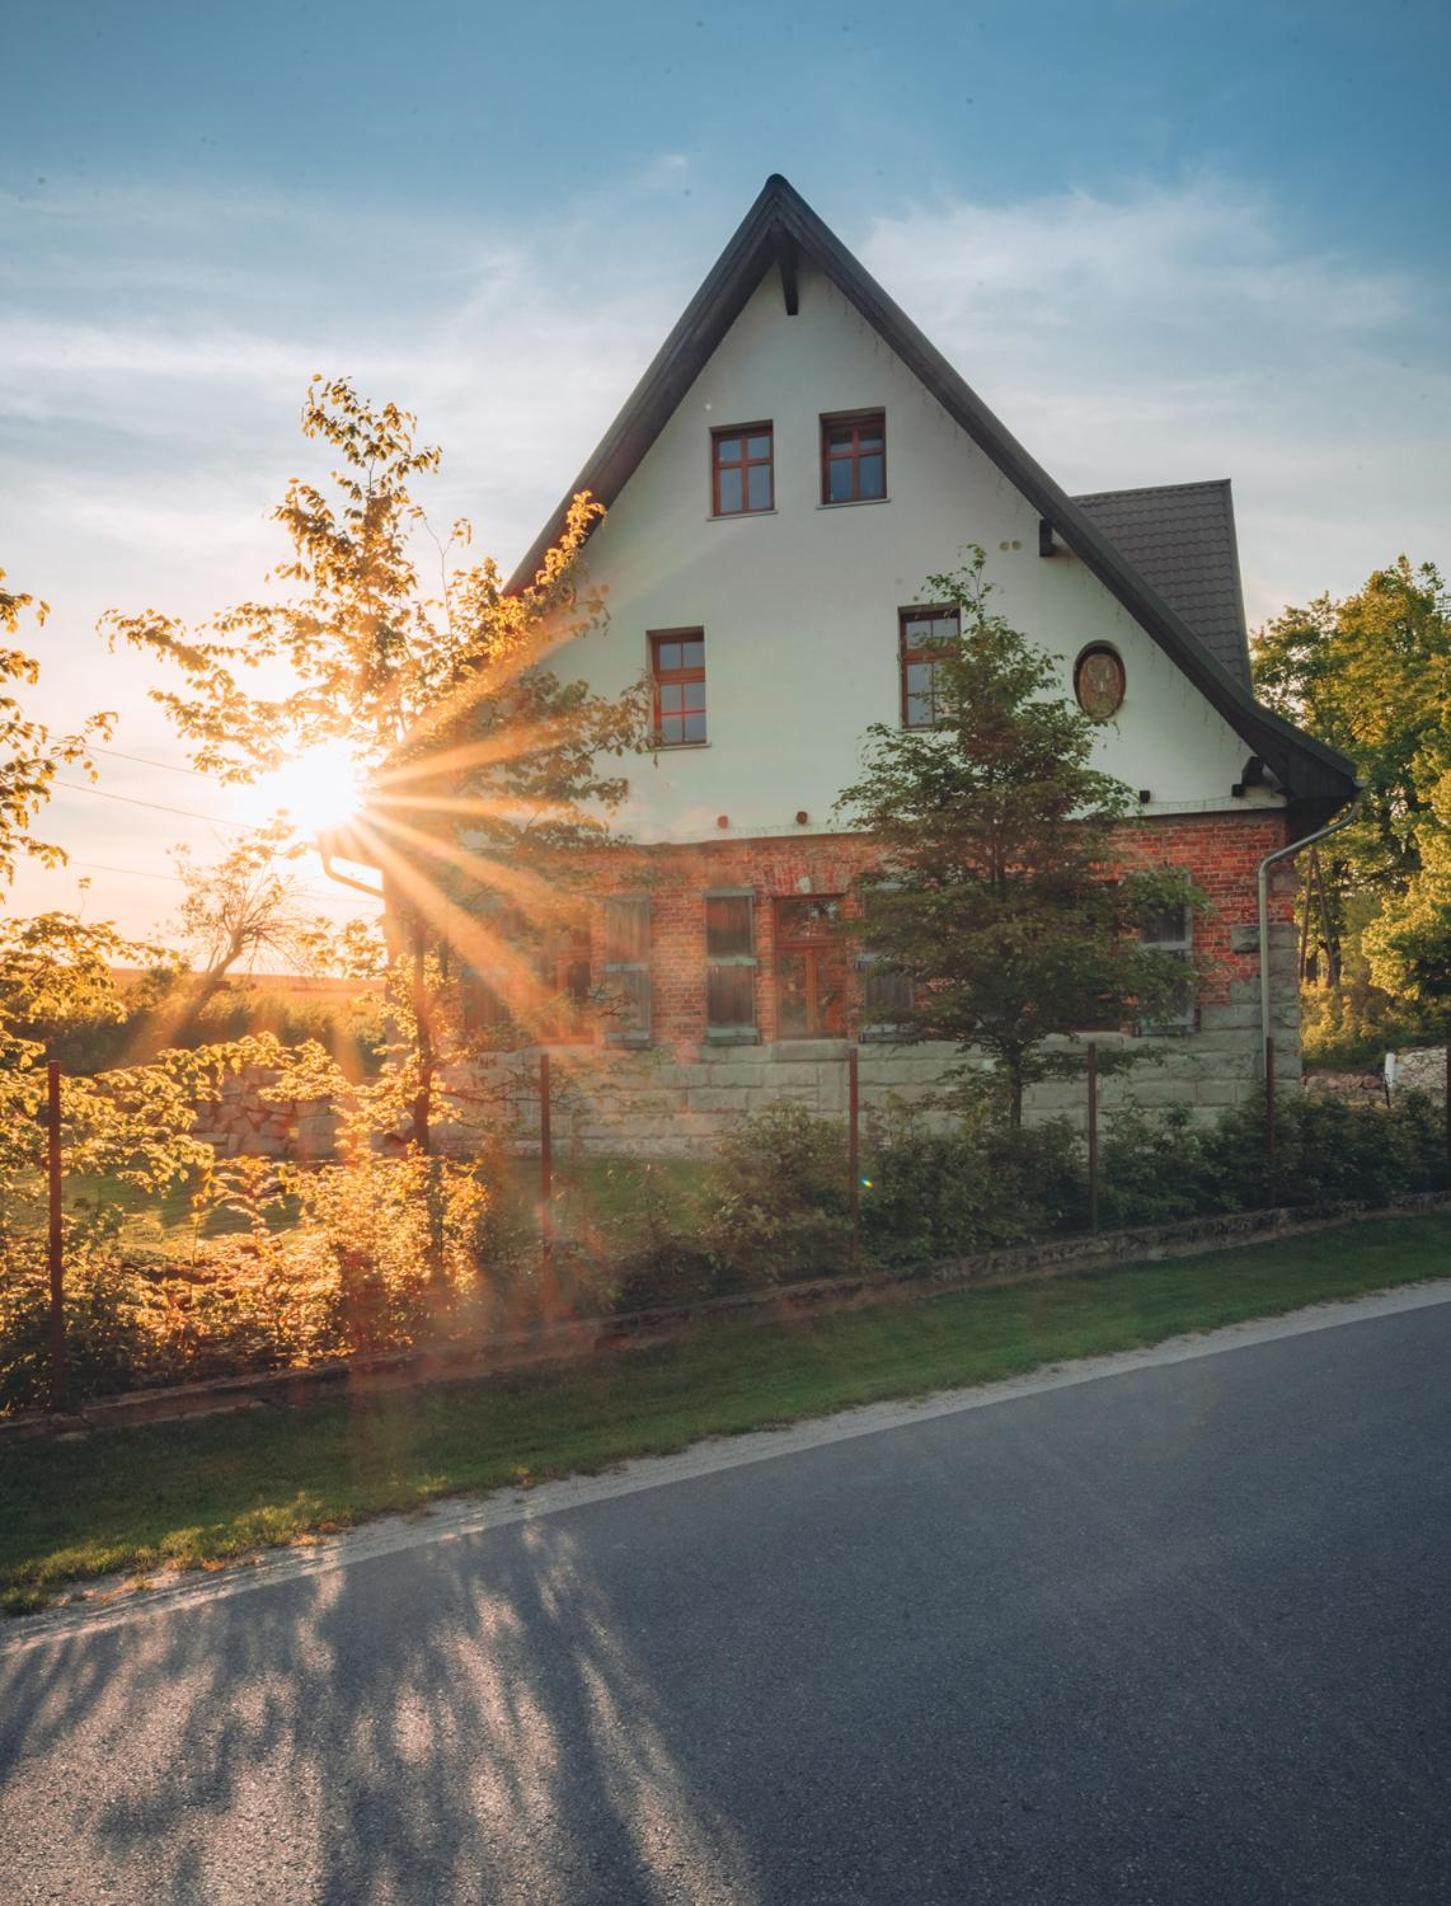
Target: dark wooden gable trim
point(788, 257)
point(1318, 778)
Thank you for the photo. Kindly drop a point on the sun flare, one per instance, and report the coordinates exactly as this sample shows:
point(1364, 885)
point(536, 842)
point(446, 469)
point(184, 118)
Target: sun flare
point(321, 789)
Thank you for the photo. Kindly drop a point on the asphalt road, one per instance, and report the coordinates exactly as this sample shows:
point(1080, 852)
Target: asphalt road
point(1179, 1635)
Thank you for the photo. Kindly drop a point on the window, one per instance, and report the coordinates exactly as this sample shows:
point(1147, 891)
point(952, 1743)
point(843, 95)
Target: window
point(677, 670)
point(854, 458)
point(886, 997)
point(742, 476)
point(923, 633)
point(1171, 930)
point(730, 966)
point(562, 1014)
point(626, 970)
point(810, 970)
point(1098, 682)
point(481, 1001)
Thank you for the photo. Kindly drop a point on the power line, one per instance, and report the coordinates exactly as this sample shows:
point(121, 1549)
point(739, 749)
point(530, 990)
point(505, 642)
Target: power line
point(147, 873)
point(161, 807)
point(146, 761)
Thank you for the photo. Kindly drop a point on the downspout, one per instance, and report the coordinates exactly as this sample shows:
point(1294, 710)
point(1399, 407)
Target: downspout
point(1270, 860)
point(346, 880)
point(334, 840)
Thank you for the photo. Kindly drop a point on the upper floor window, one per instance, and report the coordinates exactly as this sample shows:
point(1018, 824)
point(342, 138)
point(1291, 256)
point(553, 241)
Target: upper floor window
point(742, 473)
point(677, 673)
point(923, 635)
point(854, 458)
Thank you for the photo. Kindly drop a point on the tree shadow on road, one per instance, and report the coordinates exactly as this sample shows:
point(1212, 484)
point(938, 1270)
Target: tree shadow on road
point(469, 1727)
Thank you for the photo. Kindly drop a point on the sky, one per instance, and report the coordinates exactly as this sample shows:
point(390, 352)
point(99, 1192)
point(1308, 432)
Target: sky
point(1165, 240)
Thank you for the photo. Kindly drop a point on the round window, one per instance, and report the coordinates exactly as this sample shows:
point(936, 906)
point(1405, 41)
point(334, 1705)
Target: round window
point(1098, 682)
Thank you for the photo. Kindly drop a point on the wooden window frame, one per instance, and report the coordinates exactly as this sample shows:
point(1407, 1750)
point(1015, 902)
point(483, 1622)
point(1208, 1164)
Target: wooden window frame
point(1086, 655)
point(817, 948)
point(745, 464)
point(1175, 1024)
point(633, 975)
point(927, 654)
point(684, 677)
point(857, 419)
point(735, 1033)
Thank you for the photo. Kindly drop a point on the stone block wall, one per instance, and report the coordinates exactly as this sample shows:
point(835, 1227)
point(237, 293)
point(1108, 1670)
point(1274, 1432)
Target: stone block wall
point(243, 1121)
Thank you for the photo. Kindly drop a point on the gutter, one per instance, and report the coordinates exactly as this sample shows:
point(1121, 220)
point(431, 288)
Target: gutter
point(1270, 860)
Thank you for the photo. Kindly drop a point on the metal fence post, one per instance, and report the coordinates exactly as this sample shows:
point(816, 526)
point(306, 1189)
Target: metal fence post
point(1092, 1136)
point(55, 1240)
point(546, 1167)
point(853, 1146)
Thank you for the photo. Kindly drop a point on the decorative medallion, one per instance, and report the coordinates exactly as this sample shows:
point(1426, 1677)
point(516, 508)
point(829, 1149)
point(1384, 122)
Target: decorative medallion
point(1098, 682)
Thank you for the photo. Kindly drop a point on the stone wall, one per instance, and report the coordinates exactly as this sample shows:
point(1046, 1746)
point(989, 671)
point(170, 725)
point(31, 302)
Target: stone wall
point(243, 1121)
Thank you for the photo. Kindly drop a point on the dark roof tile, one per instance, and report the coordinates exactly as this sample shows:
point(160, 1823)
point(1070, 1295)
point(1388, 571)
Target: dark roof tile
point(1180, 538)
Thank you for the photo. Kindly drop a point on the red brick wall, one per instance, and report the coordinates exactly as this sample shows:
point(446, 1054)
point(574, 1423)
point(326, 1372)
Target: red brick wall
point(1220, 852)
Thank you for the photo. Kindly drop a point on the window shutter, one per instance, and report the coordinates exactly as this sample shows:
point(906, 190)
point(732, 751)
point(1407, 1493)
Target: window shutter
point(730, 966)
point(626, 969)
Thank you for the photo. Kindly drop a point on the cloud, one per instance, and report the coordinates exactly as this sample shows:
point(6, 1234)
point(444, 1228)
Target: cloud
point(1179, 332)
point(154, 347)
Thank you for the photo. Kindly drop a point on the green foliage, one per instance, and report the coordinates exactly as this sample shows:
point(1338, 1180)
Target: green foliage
point(778, 1209)
point(160, 1012)
point(936, 1192)
point(1408, 946)
point(1353, 1029)
point(1000, 893)
point(110, 1314)
point(1327, 1152)
point(1372, 676)
point(30, 755)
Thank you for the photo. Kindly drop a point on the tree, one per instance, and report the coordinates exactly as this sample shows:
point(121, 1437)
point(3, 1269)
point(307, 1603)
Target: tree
point(1000, 892)
point(1370, 674)
point(445, 700)
point(1408, 944)
point(246, 905)
point(30, 755)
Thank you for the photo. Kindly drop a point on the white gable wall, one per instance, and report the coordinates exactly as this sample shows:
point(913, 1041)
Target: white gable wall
point(799, 607)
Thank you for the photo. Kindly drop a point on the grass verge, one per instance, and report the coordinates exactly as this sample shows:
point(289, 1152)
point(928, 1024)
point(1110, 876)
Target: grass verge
point(187, 1495)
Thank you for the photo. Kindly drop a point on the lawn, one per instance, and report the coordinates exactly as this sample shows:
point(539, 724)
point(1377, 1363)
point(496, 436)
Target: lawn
point(186, 1494)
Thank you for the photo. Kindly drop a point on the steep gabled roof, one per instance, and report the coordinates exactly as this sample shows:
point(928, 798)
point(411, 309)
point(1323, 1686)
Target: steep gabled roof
point(779, 230)
point(1180, 538)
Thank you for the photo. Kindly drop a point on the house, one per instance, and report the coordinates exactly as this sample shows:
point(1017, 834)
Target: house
point(792, 465)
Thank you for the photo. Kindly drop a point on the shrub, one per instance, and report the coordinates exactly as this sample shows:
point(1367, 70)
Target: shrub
point(935, 1192)
point(777, 1208)
point(110, 1313)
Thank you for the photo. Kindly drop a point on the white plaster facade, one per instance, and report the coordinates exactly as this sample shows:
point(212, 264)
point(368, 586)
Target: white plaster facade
point(799, 606)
